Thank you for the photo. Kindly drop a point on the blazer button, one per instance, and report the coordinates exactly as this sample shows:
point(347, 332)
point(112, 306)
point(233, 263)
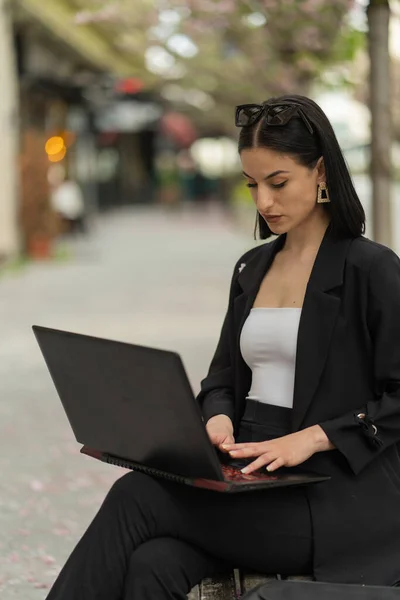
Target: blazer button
point(361, 416)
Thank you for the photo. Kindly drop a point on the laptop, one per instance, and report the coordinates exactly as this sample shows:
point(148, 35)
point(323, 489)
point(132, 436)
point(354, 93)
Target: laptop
point(133, 406)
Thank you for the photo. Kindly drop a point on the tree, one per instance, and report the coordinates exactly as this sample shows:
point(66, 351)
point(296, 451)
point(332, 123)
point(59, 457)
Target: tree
point(378, 12)
point(213, 54)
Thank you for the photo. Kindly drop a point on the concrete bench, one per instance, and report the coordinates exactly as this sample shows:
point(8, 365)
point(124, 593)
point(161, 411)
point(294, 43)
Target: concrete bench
point(232, 585)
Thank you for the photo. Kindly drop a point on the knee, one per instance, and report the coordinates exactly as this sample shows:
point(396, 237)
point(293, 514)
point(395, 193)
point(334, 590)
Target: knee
point(160, 561)
point(152, 557)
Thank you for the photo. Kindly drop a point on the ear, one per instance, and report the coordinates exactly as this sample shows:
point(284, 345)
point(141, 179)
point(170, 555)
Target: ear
point(320, 168)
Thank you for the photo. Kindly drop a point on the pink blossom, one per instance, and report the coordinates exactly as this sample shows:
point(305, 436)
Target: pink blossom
point(14, 557)
point(213, 6)
point(311, 7)
point(309, 38)
point(83, 17)
point(37, 485)
point(61, 531)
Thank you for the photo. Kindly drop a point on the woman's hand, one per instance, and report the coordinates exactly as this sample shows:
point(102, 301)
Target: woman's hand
point(287, 451)
point(220, 431)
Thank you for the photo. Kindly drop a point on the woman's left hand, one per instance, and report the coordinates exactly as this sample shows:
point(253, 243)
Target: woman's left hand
point(287, 451)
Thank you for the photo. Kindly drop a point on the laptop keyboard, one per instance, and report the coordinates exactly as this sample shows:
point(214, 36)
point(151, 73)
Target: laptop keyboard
point(234, 474)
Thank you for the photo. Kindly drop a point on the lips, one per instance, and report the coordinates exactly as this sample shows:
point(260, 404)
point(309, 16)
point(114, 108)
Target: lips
point(272, 218)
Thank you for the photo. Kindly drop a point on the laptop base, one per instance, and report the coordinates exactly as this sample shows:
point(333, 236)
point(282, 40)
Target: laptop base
point(234, 480)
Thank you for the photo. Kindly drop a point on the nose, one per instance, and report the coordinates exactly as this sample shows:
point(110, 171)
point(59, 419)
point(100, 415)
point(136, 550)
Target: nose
point(265, 199)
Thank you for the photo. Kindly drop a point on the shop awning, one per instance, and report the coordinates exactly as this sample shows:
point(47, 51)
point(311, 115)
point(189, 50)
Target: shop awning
point(58, 17)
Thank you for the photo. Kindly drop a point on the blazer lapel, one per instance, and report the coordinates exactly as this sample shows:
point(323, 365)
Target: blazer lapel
point(320, 311)
point(250, 280)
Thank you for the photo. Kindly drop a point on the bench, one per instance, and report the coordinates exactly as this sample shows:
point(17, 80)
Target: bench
point(232, 585)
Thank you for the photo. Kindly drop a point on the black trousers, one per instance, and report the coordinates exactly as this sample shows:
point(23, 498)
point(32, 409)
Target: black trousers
point(155, 540)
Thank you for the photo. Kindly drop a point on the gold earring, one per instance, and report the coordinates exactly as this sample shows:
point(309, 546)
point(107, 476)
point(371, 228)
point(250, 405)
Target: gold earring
point(323, 194)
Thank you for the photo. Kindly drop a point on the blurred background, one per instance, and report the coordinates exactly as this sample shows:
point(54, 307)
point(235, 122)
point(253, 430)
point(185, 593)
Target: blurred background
point(122, 208)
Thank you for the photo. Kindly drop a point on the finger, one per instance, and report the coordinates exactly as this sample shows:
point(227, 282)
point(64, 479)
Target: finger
point(256, 464)
point(223, 448)
point(276, 464)
point(247, 452)
point(240, 446)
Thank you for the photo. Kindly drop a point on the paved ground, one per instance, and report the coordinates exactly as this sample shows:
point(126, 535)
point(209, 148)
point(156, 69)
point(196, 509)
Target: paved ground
point(141, 276)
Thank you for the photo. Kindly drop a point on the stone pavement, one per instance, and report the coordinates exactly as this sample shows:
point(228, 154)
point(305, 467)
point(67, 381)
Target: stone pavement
point(143, 276)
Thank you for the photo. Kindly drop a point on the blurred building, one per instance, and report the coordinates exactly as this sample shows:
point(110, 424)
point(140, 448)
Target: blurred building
point(55, 76)
point(139, 140)
point(73, 99)
point(9, 232)
point(57, 66)
point(127, 128)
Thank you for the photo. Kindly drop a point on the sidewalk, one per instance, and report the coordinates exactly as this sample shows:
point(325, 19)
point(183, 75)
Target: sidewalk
point(142, 276)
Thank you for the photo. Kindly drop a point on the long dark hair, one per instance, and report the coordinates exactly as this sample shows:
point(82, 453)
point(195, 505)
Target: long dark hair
point(294, 139)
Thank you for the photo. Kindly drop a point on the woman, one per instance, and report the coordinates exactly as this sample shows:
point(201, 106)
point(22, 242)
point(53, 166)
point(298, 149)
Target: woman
point(306, 372)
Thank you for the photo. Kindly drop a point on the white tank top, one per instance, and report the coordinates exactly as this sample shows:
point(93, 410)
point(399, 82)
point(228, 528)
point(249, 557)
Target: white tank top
point(268, 343)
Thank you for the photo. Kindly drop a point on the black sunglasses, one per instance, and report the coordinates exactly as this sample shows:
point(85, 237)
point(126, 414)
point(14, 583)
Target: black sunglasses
point(275, 114)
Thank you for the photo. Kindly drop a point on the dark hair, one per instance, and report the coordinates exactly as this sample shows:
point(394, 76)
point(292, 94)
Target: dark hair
point(294, 139)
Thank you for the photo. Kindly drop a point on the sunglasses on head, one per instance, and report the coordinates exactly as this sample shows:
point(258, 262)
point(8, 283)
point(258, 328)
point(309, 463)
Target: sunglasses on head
point(274, 114)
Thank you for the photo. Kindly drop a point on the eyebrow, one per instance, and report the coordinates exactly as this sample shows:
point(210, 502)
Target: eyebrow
point(268, 176)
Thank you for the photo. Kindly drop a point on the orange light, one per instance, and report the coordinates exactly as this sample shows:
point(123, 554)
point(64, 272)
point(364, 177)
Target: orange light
point(54, 145)
point(59, 156)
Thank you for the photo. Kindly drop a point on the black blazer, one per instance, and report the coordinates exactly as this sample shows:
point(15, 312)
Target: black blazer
point(348, 381)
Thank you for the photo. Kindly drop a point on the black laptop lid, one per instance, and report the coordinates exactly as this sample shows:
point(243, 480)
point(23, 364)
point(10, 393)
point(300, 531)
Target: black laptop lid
point(130, 401)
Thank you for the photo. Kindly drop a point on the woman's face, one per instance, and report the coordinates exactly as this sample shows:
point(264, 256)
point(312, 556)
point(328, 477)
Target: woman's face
point(284, 192)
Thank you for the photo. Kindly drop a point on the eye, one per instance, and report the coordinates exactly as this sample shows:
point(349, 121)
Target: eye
point(279, 185)
point(251, 185)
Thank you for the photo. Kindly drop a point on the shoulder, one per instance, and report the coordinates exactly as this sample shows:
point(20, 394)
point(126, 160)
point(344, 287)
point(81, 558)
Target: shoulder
point(367, 255)
point(378, 267)
point(248, 257)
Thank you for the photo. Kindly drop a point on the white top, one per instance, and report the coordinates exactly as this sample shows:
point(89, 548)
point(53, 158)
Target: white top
point(268, 344)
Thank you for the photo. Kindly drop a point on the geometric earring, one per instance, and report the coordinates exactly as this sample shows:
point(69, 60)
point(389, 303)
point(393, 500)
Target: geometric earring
point(323, 195)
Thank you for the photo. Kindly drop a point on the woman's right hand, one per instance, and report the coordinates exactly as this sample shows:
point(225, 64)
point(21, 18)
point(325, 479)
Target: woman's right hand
point(220, 431)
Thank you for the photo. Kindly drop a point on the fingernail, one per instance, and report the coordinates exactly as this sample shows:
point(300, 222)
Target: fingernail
point(244, 470)
point(225, 446)
point(267, 468)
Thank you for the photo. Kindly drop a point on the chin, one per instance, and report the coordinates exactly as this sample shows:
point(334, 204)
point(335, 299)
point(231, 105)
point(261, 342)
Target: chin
point(278, 228)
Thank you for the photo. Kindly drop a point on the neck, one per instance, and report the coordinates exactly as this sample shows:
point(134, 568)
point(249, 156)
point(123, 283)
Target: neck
point(307, 237)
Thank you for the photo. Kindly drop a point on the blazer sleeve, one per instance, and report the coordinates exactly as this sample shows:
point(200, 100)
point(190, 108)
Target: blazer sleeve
point(217, 389)
point(368, 430)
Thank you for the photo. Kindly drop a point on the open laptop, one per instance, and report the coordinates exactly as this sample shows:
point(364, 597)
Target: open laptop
point(133, 406)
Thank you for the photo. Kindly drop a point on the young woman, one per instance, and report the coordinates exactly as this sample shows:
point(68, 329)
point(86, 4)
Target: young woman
point(306, 372)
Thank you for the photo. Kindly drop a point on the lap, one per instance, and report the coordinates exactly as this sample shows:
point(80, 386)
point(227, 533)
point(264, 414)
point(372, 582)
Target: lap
point(253, 529)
